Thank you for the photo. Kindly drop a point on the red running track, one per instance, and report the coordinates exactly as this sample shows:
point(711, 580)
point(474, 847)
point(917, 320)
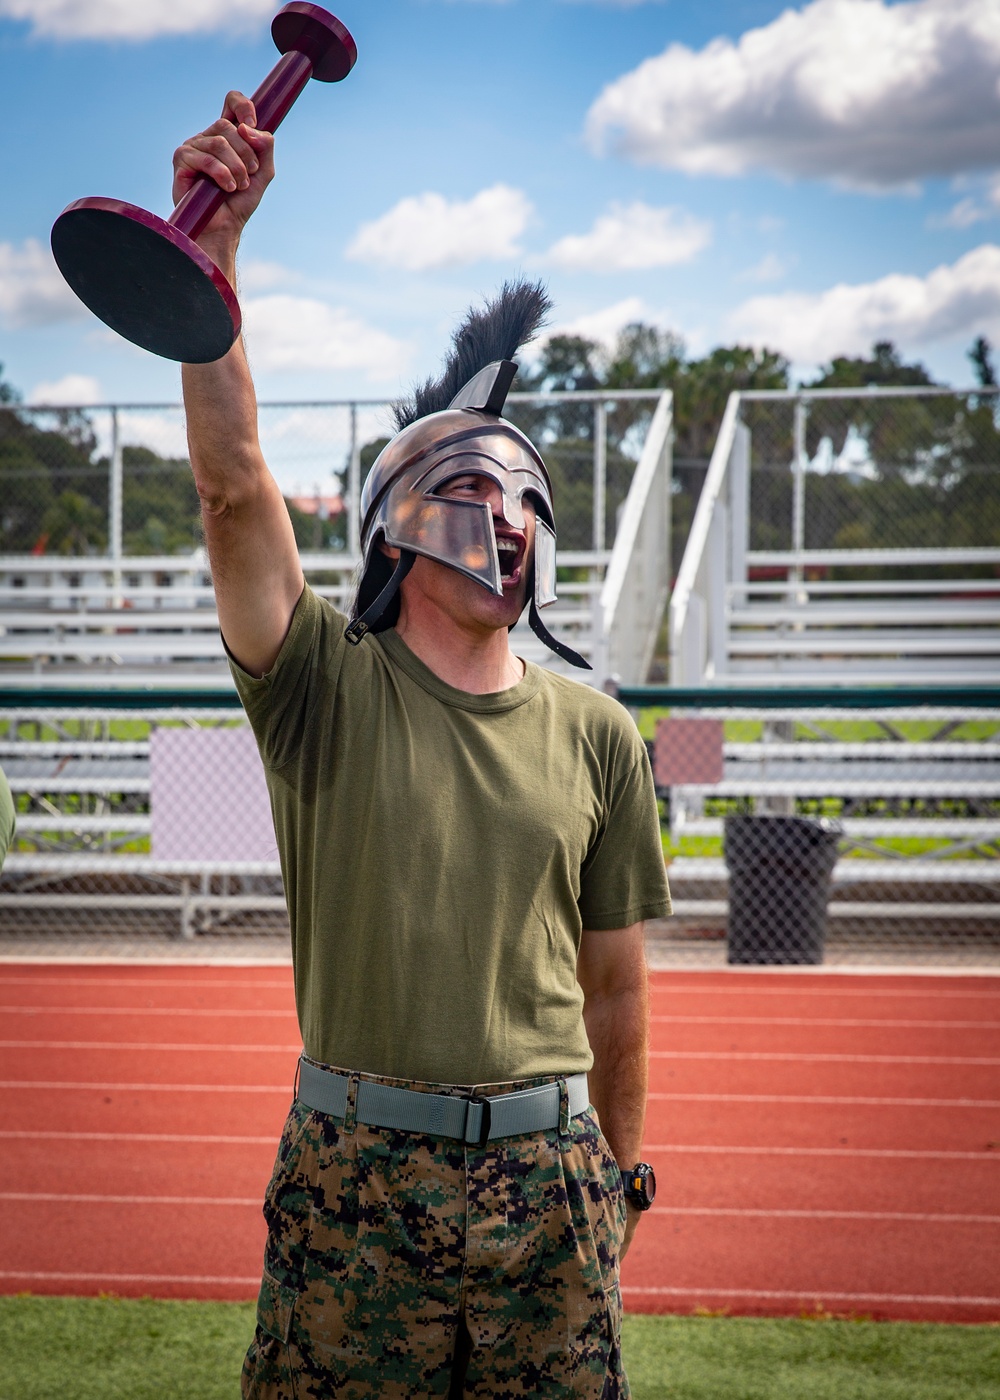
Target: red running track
point(822, 1141)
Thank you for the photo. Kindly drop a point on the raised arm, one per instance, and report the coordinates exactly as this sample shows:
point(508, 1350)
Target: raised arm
point(251, 545)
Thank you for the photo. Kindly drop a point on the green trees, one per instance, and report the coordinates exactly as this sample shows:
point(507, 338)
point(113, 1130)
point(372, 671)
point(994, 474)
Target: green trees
point(913, 471)
point(55, 482)
point(53, 496)
point(643, 357)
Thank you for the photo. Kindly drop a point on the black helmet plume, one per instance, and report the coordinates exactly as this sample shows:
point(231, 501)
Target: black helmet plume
point(493, 332)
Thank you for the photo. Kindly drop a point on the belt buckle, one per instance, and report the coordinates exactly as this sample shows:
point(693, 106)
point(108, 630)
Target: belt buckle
point(484, 1125)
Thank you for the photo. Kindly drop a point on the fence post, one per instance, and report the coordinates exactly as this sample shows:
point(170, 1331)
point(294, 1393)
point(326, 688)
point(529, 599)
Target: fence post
point(600, 472)
point(799, 489)
point(354, 487)
point(115, 511)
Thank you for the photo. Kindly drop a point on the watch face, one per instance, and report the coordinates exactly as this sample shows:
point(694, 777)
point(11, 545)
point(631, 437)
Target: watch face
point(640, 1185)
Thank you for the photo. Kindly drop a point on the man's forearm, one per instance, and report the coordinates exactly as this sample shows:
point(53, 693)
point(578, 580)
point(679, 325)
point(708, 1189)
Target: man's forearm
point(611, 969)
point(221, 409)
point(617, 1027)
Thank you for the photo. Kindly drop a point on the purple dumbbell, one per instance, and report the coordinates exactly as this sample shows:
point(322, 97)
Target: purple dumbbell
point(144, 276)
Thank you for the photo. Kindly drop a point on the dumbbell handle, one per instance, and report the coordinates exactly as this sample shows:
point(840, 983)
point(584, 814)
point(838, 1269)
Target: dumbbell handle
point(272, 102)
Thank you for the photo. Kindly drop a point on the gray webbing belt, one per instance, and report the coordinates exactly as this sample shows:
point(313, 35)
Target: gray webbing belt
point(474, 1120)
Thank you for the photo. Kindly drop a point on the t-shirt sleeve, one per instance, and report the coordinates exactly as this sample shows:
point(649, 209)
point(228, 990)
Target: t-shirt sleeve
point(624, 878)
point(279, 703)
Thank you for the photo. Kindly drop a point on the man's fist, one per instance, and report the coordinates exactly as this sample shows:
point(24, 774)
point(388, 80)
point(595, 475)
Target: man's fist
point(238, 157)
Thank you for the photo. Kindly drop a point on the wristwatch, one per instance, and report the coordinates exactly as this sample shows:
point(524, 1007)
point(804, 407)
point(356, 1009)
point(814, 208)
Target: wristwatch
point(639, 1183)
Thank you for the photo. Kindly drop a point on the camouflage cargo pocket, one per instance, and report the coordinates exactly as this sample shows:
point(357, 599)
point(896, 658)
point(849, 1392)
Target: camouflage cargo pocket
point(616, 1386)
point(267, 1373)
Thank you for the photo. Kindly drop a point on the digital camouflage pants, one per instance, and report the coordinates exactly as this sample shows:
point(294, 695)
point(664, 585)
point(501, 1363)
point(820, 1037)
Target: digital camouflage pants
point(399, 1265)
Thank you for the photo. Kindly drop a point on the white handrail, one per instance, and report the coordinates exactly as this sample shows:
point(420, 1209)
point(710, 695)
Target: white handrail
point(631, 517)
point(700, 530)
point(629, 609)
point(876, 558)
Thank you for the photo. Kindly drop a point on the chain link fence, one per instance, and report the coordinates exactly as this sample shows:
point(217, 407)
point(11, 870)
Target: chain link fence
point(97, 482)
point(845, 537)
point(816, 834)
point(895, 470)
point(110, 481)
point(142, 828)
point(824, 834)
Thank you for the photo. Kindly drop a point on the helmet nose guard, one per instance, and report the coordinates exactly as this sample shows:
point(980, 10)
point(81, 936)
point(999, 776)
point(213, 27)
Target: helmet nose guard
point(400, 504)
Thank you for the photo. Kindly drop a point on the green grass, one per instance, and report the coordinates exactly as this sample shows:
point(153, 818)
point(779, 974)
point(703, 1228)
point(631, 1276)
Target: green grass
point(710, 1358)
point(117, 1349)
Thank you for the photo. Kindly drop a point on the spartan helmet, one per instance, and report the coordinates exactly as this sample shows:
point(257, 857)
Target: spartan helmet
point(400, 504)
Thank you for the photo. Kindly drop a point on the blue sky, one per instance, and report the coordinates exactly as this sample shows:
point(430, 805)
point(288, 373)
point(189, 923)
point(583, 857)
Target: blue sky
point(810, 177)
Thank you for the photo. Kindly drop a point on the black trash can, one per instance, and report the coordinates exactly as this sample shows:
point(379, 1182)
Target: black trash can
point(779, 882)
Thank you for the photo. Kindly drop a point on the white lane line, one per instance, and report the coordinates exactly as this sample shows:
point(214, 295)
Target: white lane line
point(811, 1021)
point(60, 1197)
point(911, 1217)
point(813, 1296)
point(62, 1011)
point(215, 1139)
point(693, 1149)
point(202, 983)
point(148, 1088)
point(736, 988)
point(35, 1084)
point(144, 1045)
point(208, 1280)
point(794, 1057)
point(824, 1099)
point(903, 1153)
point(776, 1056)
point(711, 1212)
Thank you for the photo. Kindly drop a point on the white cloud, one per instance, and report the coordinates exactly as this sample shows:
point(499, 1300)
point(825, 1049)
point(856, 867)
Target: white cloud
point(634, 236)
point(164, 433)
point(964, 214)
point(771, 268)
point(292, 333)
point(32, 290)
point(425, 231)
point(135, 19)
point(71, 390)
point(257, 275)
point(958, 299)
point(972, 209)
point(862, 91)
point(604, 325)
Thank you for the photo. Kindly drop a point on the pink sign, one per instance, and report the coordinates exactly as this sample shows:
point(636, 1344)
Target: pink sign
point(208, 796)
point(688, 751)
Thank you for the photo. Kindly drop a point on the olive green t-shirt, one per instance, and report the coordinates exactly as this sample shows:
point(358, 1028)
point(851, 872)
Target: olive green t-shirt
point(442, 852)
point(6, 816)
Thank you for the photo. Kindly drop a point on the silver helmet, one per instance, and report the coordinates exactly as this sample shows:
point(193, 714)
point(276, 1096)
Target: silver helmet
point(463, 436)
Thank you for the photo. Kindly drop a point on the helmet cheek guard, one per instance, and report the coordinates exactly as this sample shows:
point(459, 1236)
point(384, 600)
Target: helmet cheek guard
point(400, 505)
point(457, 533)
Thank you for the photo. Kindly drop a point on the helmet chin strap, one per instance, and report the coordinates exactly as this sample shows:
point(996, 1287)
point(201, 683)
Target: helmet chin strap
point(560, 648)
point(369, 619)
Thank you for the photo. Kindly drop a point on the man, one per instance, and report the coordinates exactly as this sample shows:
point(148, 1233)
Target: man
point(470, 847)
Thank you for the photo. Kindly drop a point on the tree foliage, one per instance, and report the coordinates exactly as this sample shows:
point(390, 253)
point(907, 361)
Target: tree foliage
point(54, 491)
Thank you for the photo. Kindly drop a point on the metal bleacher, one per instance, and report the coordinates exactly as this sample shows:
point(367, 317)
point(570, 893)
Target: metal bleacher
point(101, 654)
point(861, 683)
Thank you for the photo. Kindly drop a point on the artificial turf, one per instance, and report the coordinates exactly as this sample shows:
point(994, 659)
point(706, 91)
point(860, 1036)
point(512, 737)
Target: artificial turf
point(125, 1349)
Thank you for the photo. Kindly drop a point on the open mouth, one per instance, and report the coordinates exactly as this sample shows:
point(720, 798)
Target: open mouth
point(509, 552)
